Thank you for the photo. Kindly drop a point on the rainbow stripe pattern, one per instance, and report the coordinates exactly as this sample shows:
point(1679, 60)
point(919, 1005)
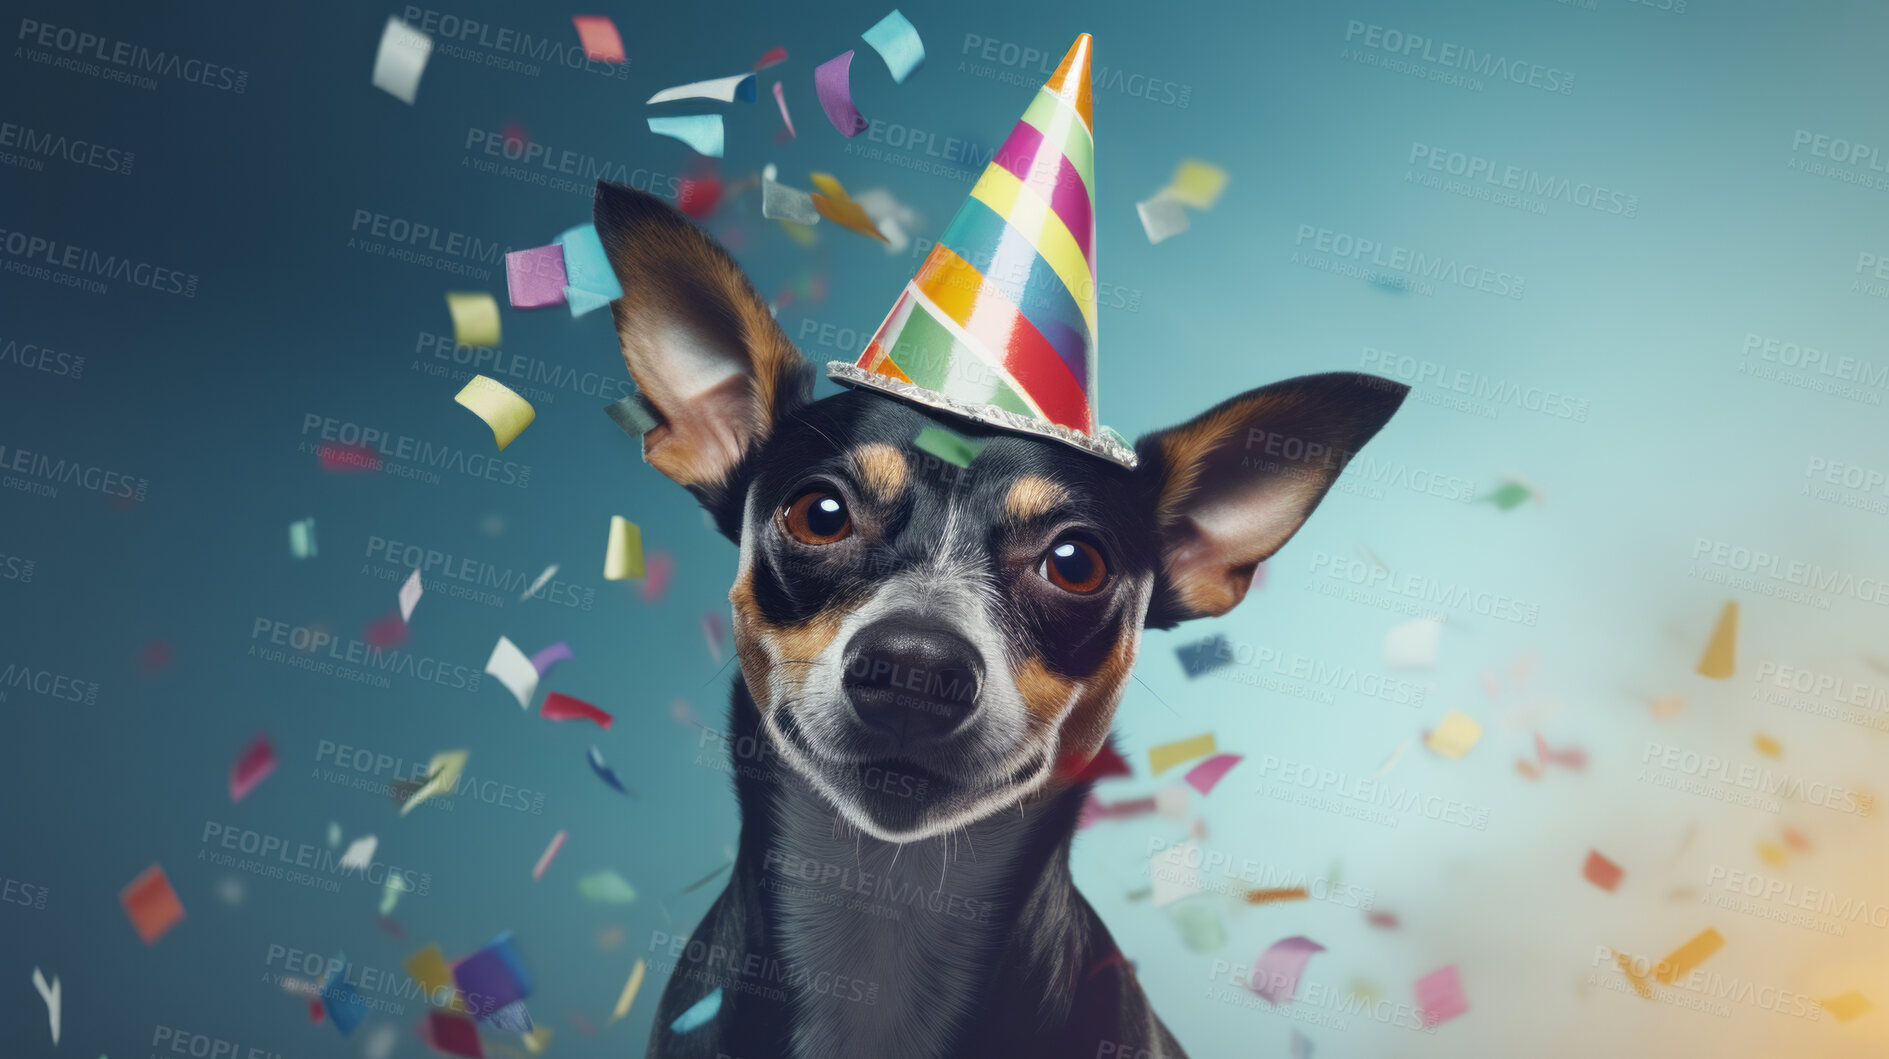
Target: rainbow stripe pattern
point(999, 324)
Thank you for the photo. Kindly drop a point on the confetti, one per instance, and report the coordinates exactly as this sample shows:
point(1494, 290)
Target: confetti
point(302, 538)
point(1162, 219)
point(703, 132)
point(1845, 1008)
point(704, 1010)
point(360, 854)
point(51, 996)
point(1440, 995)
point(389, 631)
point(739, 87)
point(251, 767)
point(1094, 809)
point(1301, 1046)
point(628, 996)
point(560, 707)
point(592, 280)
point(1575, 759)
point(714, 632)
point(1795, 839)
point(1670, 706)
point(357, 459)
point(513, 1017)
point(896, 41)
point(1682, 960)
point(1767, 746)
point(390, 892)
point(780, 100)
point(774, 57)
point(1455, 735)
point(1167, 755)
point(344, 1006)
point(1773, 854)
point(948, 446)
point(1204, 776)
point(632, 415)
point(1634, 978)
point(453, 1034)
point(1382, 920)
point(1195, 183)
point(1391, 762)
point(837, 206)
point(1199, 659)
point(1171, 801)
point(550, 656)
point(605, 888)
point(1721, 651)
point(475, 319)
point(1276, 974)
point(1601, 872)
point(602, 43)
point(698, 196)
point(538, 583)
point(1509, 496)
point(401, 59)
point(513, 670)
point(605, 772)
point(429, 969)
point(782, 203)
point(442, 776)
point(1413, 644)
point(538, 1040)
point(535, 279)
point(1106, 763)
point(410, 593)
point(492, 978)
point(832, 83)
point(661, 567)
point(623, 552)
point(1274, 896)
point(1175, 873)
point(151, 904)
point(1199, 924)
point(504, 411)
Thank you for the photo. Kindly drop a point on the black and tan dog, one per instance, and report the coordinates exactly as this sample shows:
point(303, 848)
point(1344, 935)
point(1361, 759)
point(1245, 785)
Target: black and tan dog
point(930, 654)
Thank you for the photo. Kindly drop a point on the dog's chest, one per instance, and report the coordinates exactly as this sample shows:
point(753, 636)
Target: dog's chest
point(888, 948)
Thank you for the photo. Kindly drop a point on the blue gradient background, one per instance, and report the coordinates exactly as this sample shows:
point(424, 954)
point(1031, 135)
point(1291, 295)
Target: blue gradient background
point(1643, 320)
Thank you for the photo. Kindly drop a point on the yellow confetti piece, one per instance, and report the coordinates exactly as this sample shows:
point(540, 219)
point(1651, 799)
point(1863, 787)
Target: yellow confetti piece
point(629, 992)
point(1683, 959)
point(1366, 991)
point(428, 968)
point(475, 318)
point(1773, 854)
point(1454, 735)
point(538, 1040)
point(1721, 652)
point(504, 411)
point(1636, 981)
point(623, 556)
point(1767, 746)
point(837, 206)
point(442, 776)
point(1168, 755)
point(802, 233)
point(1847, 1006)
point(1196, 183)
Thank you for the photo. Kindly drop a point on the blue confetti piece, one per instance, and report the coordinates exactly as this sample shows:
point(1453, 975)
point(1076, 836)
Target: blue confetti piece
point(700, 1015)
point(1204, 657)
point(700, 131)
point(343, 1005)
point(605, 772)
point(896, 40)
point(587, 270)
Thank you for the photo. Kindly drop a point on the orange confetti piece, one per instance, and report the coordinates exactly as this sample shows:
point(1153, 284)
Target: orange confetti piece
point(1683, 959)
point(1266, 897)
point(1767, 746)
point(1601, 872)
point(837, 206)
point(1638, 982)
point(1721, 652)
point(1669, 706)
point(1527, 769)
point(1847, 1006)
point(1796, 840)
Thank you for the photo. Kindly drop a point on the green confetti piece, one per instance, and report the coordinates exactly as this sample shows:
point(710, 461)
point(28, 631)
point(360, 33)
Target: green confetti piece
point(1509, 496)
point(606, 888)
point(947, 446)
point(633, 414)
point(1199, 925)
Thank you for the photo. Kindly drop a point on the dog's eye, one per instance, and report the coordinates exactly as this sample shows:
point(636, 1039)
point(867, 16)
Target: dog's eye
point(817, 516)
point(1074, 565)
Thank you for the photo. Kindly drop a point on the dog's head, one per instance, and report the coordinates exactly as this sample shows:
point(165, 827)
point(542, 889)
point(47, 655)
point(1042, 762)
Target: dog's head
point(901, 618)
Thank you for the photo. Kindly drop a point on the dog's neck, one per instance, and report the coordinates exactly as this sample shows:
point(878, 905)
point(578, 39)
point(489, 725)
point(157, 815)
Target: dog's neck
point(892, 949)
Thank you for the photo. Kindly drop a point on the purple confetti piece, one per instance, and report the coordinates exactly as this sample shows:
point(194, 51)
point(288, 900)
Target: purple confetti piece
point(832, 82)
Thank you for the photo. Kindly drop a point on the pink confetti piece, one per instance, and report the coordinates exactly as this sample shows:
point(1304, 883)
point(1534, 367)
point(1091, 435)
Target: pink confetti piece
point(550, 656)
point(773, 56)
point(658, 568)
point(535, 279)
point(1440, 996)
point(561, 707)
point(713, 631)
point(1276, 974)
point(253, 766)
point(1204, 776)
point(1382, 920)
point(550, 851)
point(599, 36)
point(1574, 758)
point(1094, 810)
point(348, 459)
point(780, 97)
point(832, 82)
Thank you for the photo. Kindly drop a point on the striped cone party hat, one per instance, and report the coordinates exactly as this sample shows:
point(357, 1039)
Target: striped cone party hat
point(999, 325)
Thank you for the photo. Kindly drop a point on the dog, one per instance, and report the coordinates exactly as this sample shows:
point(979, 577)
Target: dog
point(931, 655)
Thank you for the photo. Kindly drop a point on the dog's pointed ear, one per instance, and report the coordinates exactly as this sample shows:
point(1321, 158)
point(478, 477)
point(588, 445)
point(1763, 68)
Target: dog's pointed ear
point(1236, 482)
point(701, 345)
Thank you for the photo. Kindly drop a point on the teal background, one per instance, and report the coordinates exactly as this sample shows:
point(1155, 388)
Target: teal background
point(1641, 321)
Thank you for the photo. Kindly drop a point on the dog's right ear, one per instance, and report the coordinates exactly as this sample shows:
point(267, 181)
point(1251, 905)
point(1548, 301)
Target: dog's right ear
point(701, 345)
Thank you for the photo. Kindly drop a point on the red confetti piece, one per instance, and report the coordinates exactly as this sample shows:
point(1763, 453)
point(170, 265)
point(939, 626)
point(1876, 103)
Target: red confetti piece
point(1107, 762)
point(345, 459)
point(698, 196)
point(389, 631)
point(1601, 872)
point(314, 1011)
point(1382, 920)
point(254, 766)
point(154, 656)
point(560, 707)
point(151, 904)
point(1575, 758)
point(658, 568)
point(773, 56)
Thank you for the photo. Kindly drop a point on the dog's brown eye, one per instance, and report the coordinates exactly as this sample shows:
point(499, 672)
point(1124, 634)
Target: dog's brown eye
point(1074, 565)
point(818, 516)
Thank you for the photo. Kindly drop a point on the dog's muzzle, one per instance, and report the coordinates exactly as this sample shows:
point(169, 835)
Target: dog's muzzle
point(913, 683)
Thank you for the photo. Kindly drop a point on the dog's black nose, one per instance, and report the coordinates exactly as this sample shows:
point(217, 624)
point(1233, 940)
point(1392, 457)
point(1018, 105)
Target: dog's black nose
point(914, 682)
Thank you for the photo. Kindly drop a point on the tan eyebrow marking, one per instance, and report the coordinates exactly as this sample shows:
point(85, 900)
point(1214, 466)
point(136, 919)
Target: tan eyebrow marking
point(1032, 497)
point(882, 470)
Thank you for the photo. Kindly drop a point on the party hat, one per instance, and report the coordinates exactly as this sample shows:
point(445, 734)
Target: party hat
point(998, 326)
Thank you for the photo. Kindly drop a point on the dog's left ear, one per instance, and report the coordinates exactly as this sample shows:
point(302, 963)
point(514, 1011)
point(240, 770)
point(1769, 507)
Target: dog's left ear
point(1236, 482)
point(701, 345)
